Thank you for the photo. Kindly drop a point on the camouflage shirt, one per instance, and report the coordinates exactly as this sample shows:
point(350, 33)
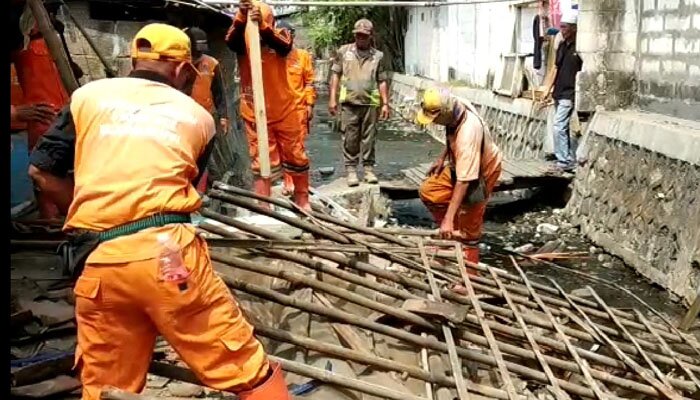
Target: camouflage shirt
point(360, 75)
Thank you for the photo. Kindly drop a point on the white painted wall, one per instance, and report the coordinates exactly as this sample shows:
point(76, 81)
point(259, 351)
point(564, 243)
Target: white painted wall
point(468, 38)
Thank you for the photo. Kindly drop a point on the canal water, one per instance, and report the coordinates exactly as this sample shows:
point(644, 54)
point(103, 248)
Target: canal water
point(400, 145)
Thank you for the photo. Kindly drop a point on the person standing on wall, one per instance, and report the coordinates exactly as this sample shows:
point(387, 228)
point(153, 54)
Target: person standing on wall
point(460, 182)
point(359, 83)
point(208, 87)
point(286, 146)
point(563, 91)
point(138, 145)
point(300, 72)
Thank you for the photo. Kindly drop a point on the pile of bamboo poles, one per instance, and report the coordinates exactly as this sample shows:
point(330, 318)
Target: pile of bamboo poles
point(534, 332)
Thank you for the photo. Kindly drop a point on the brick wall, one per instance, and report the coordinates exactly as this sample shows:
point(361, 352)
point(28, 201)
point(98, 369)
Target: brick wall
point(607, 42)
point(669, 54)
point(642, 53)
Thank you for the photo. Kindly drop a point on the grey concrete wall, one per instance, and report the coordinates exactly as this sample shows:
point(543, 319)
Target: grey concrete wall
point(639, 195)
point(669, 57)
point(640, 53)
point(607, 42)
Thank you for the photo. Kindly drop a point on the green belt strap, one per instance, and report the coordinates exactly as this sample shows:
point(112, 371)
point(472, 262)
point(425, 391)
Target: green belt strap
point(154, 221)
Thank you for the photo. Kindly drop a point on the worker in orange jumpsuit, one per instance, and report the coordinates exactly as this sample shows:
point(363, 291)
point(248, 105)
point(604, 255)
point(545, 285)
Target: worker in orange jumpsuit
point(286, 145)
point(21, 113)
point(137, 145)
point(460, 182)
point(300, 73)
point(208, 87)
point(39, 78)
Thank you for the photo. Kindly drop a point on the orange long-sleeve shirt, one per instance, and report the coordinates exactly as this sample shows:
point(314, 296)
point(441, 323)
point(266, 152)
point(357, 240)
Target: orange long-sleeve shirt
point(300, 71)
point(275, 46)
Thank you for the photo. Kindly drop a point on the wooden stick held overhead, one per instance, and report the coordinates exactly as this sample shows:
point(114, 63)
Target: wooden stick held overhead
point(53, 42)
point(253, 34)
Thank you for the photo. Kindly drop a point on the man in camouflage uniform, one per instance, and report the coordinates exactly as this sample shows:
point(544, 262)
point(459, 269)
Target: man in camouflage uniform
point(359, 83)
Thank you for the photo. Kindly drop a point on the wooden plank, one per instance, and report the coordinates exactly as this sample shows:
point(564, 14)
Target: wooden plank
point(253, 34)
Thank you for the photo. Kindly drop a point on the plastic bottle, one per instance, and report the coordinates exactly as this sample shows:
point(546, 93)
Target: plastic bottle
point(171, 266)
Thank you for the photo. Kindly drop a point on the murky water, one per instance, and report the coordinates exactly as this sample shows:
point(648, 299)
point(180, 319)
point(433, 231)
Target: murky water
point(401, 146)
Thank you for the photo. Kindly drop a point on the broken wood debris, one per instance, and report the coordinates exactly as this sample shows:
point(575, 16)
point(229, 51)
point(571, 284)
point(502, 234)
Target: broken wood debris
point(540, 339)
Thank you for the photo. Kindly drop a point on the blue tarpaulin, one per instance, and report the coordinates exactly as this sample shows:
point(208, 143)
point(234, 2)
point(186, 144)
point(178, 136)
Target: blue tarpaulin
point(21, 186)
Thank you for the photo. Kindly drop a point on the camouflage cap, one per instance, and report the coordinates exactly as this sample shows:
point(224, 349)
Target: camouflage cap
point(363, 26)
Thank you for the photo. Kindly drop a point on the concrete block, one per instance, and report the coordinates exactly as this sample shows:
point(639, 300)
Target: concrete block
point(622, 41)
point(696, 20)
point(649, 5)
point(650, 67)
point(662, 45)
point(673, 67)
point(694, 71)
point(653, 23)
point(591, 42)
point(621, 61)
point(686, 46)
point(673, 22)
point(644, 45)
point(668, 4)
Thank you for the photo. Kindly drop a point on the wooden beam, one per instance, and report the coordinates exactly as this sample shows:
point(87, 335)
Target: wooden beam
point(53, 42)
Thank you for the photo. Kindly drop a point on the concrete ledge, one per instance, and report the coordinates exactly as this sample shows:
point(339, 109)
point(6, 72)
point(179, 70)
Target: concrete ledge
point(673, 137)
point(481, 97)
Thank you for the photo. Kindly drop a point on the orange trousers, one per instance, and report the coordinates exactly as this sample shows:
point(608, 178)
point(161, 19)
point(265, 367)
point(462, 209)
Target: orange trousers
point(436, 193)
point(286, 146)
point(304, 122)
point(120, 309)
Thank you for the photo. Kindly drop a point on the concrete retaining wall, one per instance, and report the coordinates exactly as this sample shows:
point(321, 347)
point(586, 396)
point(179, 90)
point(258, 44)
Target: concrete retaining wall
point(639, 195)
point(519, 130)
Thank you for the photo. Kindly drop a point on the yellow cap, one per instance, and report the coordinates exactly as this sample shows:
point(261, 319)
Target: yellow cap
point(163, 42)
point(434, 100)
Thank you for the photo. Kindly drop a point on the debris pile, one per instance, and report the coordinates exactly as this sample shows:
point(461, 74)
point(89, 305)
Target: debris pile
point(352, 311)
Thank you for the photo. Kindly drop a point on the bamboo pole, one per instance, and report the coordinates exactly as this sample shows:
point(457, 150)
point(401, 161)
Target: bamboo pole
point(412, 283)
point(252, 32)
point(185, 375)
point(419, 321)
point(692, 314)
point(416, 340)
point(481, 318)
point(583, 365)
point(55, 46)
point(634, 366)
point(591, 306)
point(455, 362)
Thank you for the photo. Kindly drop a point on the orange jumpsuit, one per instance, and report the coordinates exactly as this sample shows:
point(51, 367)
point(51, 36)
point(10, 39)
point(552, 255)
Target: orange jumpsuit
point(468, 161)
point(284, 129)
point(152, 135)
point(300, 72)
point(40, 81)
point(202, 94)
point(16, 99)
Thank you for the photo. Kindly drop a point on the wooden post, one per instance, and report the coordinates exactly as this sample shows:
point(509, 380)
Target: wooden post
point(253, 34)
point(53, 42)
point(691, 315)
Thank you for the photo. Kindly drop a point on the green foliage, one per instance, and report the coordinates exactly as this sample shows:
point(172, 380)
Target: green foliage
point(331, 27)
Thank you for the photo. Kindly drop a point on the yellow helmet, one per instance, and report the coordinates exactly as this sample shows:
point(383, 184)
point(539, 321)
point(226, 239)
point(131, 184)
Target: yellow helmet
point(434, 102)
